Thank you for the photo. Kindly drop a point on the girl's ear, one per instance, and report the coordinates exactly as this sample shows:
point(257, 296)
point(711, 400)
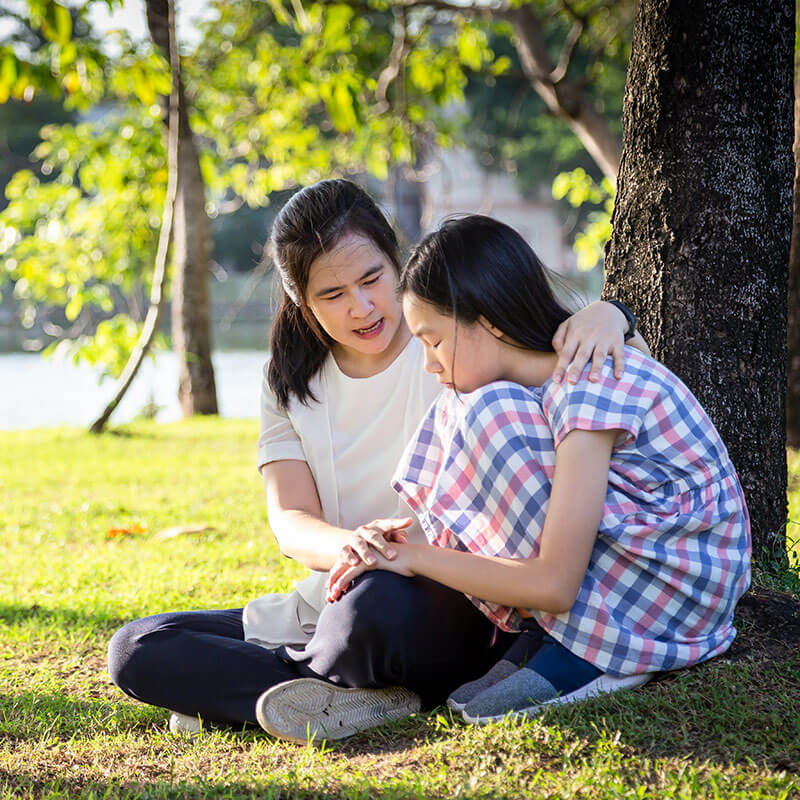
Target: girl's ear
point(496, 332)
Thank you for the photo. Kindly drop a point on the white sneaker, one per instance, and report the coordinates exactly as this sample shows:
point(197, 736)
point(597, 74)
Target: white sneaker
point(184, 725)
point(306, 709)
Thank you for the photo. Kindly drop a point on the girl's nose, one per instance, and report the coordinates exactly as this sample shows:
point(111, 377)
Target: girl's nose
point(432, 364)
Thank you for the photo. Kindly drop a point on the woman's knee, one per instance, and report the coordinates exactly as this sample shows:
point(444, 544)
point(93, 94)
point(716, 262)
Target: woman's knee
point(125, 662)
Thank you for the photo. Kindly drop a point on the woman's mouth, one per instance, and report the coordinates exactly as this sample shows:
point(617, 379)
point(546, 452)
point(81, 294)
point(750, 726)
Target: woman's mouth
point(371, 330)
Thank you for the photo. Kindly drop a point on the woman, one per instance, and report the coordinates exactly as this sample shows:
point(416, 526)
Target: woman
point(343, 392)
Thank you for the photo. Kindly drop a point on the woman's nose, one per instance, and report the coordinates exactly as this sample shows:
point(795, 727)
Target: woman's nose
point(361, 304)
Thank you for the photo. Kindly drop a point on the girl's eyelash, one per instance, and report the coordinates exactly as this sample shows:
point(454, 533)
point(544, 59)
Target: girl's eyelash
point(372, 280)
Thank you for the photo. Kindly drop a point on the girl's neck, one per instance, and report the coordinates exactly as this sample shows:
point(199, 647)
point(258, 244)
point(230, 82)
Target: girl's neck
point(527, 367)
point(365, 365)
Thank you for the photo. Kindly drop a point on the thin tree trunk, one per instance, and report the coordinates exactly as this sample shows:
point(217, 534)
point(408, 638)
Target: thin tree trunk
point(192, 250)
point(565, 99)
point(793, 337)
point(152, 320)
point(702, 222)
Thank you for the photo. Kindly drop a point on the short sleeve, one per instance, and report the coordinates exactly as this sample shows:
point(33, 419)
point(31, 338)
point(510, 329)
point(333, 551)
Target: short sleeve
point(278, 440)
point(478, 475)
point(606, 404)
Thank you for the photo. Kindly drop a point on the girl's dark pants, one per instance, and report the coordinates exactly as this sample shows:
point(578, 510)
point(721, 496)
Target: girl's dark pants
point(387, 630)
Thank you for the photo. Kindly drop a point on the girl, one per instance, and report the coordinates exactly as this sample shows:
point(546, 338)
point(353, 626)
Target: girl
point(604, 519)
point(342, 394)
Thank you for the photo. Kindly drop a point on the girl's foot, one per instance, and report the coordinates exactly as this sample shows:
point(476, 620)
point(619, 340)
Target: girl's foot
point(526, 693)
point(500, 671)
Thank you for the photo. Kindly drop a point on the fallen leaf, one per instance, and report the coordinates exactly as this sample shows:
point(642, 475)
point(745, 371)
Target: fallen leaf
point(133, 530)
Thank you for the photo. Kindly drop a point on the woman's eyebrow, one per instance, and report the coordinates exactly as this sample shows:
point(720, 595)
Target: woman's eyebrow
point(330, 289)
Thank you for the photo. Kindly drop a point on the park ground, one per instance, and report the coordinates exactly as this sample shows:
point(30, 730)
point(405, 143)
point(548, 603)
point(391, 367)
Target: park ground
point(85, 545)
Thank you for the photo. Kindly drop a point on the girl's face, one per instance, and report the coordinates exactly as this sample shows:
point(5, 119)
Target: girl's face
point(462, 356)
point(352, 292)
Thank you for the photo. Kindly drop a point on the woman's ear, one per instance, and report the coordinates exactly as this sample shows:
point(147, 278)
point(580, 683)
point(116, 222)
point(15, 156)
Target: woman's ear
point(496, 332)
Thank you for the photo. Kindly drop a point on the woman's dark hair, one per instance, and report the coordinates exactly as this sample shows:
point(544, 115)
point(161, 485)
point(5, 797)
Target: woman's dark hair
point(475, 266)
point(311, 224)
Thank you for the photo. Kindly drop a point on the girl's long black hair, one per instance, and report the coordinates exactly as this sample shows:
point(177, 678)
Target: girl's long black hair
point(310, 224)
point(476, 266)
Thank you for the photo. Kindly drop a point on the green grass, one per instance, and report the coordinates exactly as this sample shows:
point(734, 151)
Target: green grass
point(727, 729)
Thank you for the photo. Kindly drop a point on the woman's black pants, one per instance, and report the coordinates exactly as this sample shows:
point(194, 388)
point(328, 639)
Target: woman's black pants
point(386, 630)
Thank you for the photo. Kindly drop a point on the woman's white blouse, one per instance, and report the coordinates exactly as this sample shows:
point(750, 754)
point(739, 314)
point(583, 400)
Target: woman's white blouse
point(352, 438)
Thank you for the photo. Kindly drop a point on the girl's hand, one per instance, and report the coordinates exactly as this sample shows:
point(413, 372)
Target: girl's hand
point(592, 333)
point(346, 570)
point(375, 538)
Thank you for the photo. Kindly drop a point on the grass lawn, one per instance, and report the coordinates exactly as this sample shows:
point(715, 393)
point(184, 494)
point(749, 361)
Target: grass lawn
point(727, 729)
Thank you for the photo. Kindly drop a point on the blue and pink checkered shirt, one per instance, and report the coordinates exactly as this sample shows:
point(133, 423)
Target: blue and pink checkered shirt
point(672, 555)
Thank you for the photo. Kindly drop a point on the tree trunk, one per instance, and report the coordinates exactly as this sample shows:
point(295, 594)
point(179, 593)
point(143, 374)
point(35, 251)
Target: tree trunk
point(702, 222)
point(192, 251)
point(793, 338)
point(152, 321)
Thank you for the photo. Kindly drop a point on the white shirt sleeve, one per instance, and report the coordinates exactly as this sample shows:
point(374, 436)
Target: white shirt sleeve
point(278, 439)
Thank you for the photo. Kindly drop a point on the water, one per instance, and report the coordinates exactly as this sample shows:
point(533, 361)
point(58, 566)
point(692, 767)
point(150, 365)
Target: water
point(38, 392)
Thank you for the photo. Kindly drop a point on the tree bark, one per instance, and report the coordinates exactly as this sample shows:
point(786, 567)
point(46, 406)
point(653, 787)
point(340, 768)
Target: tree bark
point(793, 337)
point(192, 251)
point(702, 222)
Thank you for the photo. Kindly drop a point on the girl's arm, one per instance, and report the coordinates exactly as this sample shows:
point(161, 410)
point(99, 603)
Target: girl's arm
point(549, 582)
point(295, 516)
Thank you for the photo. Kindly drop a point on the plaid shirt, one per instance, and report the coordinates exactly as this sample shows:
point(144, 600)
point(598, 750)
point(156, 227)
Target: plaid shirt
point(672, 555)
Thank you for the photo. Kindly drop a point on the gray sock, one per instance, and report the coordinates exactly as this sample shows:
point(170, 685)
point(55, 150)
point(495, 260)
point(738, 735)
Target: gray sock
point(500, 671)
point(523, 689)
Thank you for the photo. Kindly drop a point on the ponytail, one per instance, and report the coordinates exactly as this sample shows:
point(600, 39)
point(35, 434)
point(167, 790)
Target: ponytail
point(298, 352)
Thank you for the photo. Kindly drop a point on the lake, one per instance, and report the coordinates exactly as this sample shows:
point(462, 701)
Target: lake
point(37, 391)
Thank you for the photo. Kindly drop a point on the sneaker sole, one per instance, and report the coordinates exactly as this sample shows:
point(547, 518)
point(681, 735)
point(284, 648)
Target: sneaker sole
point(455, 706)
point(306, 708)
point(605, 684)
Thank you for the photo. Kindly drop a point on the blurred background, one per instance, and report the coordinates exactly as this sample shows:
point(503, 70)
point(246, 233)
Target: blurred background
point(434, 108)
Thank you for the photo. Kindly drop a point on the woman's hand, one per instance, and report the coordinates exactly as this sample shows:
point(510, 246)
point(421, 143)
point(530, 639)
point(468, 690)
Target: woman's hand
point(593, 333)
point(376, 537)
point(347, 568)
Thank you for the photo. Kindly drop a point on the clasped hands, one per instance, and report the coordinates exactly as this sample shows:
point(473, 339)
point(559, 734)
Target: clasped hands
point(371, 546)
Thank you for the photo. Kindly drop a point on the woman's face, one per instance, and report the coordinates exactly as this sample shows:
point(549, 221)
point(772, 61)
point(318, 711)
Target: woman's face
point(352, 292)
point(461, 356)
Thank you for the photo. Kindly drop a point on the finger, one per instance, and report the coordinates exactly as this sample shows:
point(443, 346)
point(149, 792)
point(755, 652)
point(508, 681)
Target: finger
point(564, 357)
point(560, 336)
point(391, 524)
point(362, 550)
point(618, 352)
point(397, 536)
point(336, 571)
point(345, 579)
point(598, 359)
point(579, 362)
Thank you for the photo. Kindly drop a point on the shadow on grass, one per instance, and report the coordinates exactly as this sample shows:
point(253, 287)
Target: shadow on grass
point(14, 614)
point(35, 715)
point(25, 787)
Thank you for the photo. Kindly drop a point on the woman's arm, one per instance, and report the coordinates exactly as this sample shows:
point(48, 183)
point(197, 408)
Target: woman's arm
point(592, 334)
point(549, 582)
point(295, 516)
